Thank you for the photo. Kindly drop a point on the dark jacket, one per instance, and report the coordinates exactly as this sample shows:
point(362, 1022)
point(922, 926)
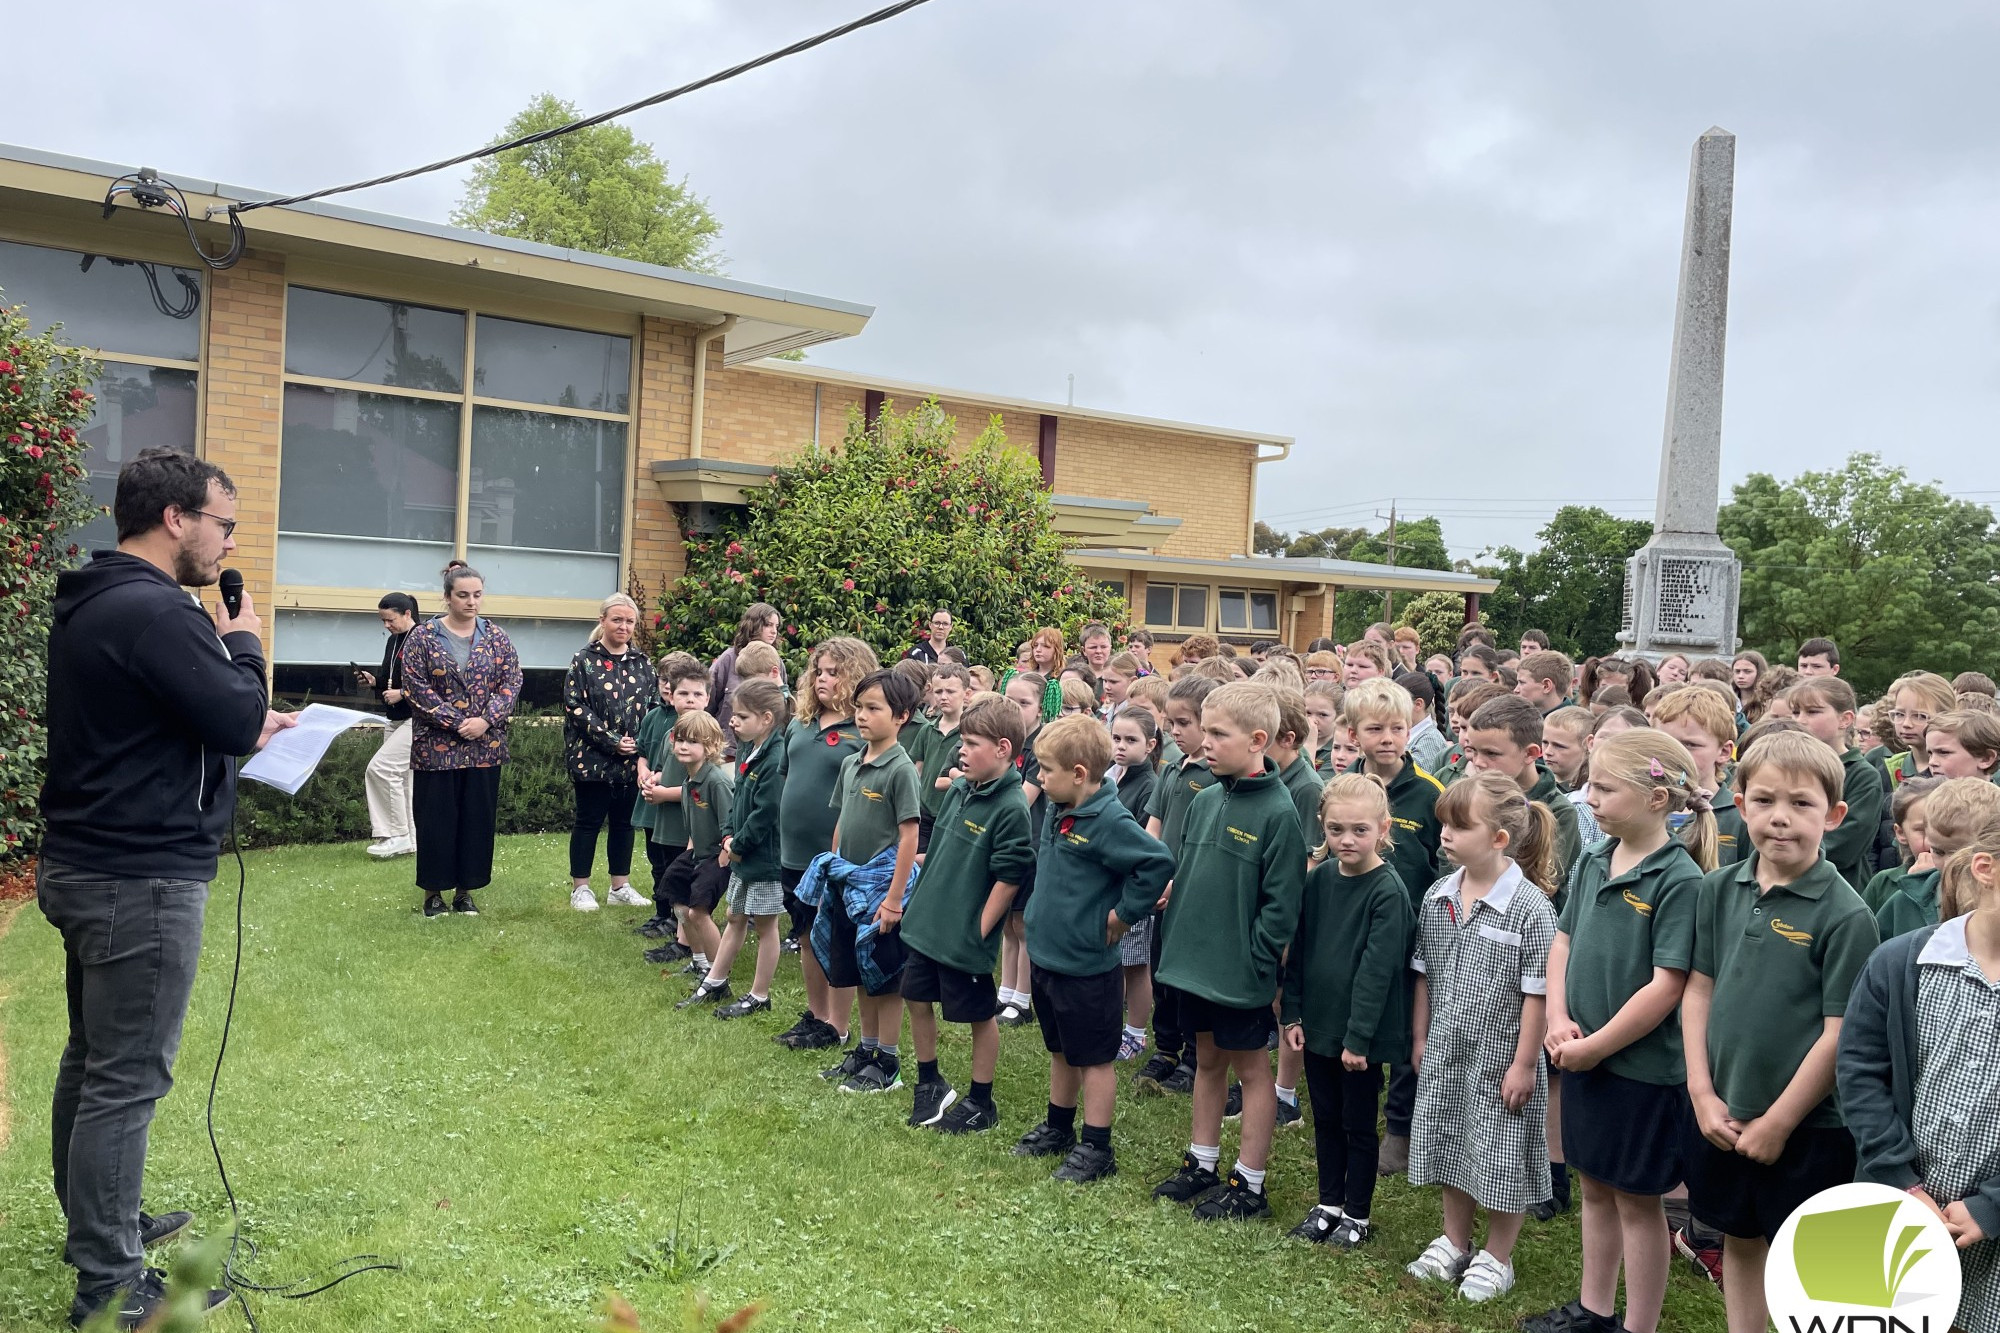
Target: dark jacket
point(1876, 1073)
point(1094, 859)
point(605, 697)
point(753, 817)
point(147, 712)
point(1350, 960)
point(390, 677)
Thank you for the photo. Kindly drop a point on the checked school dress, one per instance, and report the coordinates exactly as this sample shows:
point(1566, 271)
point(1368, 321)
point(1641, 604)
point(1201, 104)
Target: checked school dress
point(1478, 966)
point(1954, 1119)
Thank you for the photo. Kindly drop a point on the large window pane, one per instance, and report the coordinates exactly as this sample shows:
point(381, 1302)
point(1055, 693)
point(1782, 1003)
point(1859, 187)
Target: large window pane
point(534, 363)
point(1159, 603)
point(546, 483)
point(1230, 609)
point(1264, 610)
point(374, 342)
point(112, 305)
point(1194, 607)
point(138, 407)
point(368, 489)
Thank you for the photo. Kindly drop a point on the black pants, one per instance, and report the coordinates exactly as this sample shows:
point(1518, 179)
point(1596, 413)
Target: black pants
point(1344, 1102)
point(455, 811)
point(594, 801)
point(659, 856)
point(1170, 1035)
point(802, 914)
point(1402, 1102)
point(129, 948)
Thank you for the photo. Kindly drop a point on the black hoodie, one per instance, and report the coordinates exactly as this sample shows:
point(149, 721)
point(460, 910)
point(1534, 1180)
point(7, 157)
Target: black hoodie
point(147, 713)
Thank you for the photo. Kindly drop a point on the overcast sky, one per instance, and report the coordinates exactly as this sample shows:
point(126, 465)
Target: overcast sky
point(1435, 243)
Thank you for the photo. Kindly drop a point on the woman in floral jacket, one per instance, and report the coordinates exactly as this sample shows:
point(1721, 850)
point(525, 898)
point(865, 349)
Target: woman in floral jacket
point(464, 679)
point(609, 688)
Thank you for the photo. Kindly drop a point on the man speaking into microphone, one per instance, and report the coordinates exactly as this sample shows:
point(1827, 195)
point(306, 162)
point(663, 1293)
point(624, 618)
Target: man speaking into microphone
point(151, 700)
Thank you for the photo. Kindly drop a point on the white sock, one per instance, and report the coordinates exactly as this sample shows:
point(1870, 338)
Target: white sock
point(755, 996)
point(1329, 1211)
point(1289, 1096)
point(1016, 998)
point(1205, 1157)
point(1254, 1179)
point(1137, 1034)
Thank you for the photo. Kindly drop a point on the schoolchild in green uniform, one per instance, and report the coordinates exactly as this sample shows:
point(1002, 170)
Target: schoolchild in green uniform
point(695, 882)
point(1505, 735)
point(1824, 706)
point(1028, 691)
point(1705, 724)
point(1912, 841)
point(1953, 810)
point(683, 688)
point(1295, 771)
point(1171, 1067)
point(936, 752)
point(756, 893)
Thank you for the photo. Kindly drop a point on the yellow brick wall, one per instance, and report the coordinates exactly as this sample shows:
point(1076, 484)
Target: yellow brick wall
point(1204, 482)
point(661, 417)
point(242, 373)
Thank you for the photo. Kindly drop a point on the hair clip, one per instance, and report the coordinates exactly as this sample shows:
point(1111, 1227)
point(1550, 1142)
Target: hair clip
point(1654, 768)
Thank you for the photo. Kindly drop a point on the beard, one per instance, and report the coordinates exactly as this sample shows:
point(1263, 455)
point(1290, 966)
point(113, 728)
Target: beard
point(191, 572)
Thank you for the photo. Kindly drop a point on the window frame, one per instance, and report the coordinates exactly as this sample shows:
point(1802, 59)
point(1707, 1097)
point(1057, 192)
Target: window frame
point(1175, 589)
point(1249, 596)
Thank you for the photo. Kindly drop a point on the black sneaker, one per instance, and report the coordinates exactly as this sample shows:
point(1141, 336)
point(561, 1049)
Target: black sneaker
point(1045, 1140)
point(743, 1006)
point(1319, 1225)
point(791, 944)
point(882, 1073)
point(1352, 1233)
point(818, 1036)
point(1232, 1106)
point(654, 928)
point(1086, 1162)
point(1157, 1067)
point(1180, 1082)
point(1571, 1318)
point(1289, 1114)
point(968, 1117)
point(140, 1305)
point(792, 1033)
point(1235, 1202)
point(670, 952)
point(434, 905)
point(853, 1063)
point(1189, 1183)
point(159, 1230)
point(461, 903)
point(705, 994)
point(932, 1101)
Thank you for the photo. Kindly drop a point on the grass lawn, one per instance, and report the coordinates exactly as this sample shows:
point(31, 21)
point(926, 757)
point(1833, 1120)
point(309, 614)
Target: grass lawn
point(510, 1108)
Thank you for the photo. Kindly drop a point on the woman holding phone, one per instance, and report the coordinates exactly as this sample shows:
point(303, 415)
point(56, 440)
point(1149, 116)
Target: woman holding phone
point(387, 780)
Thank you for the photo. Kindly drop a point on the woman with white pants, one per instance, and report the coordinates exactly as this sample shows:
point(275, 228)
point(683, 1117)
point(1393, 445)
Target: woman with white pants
point(388, 777)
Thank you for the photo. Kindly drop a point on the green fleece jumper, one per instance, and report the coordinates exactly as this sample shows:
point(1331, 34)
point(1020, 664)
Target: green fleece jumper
point(1305, 787)
point(980, 838)
point(1548, 793)
point(1912, 906)
point(1345, 980)
point(753, 814)
point(1094, 859)
point(1236, 893)
point(1414, 826)
point(1851, 845)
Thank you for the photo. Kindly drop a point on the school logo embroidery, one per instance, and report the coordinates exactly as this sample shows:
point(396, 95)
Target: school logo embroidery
point(1799, 937)
point(976, 830)
point(1863, 1259)
point(1638, 904)
point(871, 795)
point(1247, 839)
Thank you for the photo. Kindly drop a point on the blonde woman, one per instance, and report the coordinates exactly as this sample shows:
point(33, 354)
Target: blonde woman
point(609, 688)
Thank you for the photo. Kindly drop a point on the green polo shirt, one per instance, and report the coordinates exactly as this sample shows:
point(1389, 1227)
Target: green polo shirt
point(1171, 754)
point(1912, 906)
point(706, 801)
point(1783, 962)
point(813, 757)
point(936, 754)
point(1621, 928)
point(875, 798)
point(907, 735)
point(670, 825)
point(1883, 886)
point(980, 838)
point(1732, 836)
point(1852, 845)
point(1305, 787)
point(1174, 791)
point(653, 741)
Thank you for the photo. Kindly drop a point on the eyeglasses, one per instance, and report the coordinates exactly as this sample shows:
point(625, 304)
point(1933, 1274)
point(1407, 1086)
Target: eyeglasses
point(1898, 715)
point(228, 524)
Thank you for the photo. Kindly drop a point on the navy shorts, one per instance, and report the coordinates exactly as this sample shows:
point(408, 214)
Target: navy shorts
point(1623, 1133)
point(963, 997)
point(1082, 1018)
point(843, 968)
point(1230, 1029)
point(695, 883)
point(1747, 1199)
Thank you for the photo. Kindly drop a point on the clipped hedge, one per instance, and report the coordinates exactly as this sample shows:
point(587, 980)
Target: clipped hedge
point(333, 807)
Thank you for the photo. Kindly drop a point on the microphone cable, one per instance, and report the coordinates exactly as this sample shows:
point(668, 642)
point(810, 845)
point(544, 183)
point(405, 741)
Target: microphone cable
point(234, 1278)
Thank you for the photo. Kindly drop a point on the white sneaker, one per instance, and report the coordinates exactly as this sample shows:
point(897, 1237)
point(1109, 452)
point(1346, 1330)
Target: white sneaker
point(388, 847)
point(1441, 1261)
point(1485, 1278)
point(582, 899)
point(627, 896)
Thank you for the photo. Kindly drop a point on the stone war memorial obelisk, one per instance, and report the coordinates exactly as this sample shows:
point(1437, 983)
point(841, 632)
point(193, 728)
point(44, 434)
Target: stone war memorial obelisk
point(1681, 588)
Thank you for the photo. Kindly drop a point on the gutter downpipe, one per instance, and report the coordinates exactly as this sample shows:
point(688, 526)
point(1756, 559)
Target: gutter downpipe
point(701, 342)
point(1292, 630)
point(1250, 532)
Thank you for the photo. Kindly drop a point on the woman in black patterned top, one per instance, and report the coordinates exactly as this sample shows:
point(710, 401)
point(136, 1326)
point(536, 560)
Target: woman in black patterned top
point(609, 688)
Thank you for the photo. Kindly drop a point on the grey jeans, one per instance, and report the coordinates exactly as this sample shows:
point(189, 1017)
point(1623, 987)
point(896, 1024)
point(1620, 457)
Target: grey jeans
point(130, 948)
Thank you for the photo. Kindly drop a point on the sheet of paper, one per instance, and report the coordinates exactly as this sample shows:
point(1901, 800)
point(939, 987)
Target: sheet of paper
point(292, 755)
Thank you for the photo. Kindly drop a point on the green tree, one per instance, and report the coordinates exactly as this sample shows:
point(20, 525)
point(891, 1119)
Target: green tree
point(1896, 572)
point(45, 401)
point(598, 189)
point(1572, 585)
point(869, 539)
point(1419, 545)
point(1437, 617)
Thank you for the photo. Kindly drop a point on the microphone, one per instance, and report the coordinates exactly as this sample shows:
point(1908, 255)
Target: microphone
point(231, 584)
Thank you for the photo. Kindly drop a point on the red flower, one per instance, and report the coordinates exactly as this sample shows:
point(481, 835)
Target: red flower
point(847, 584)
point(832, 737)
point(1068, 823)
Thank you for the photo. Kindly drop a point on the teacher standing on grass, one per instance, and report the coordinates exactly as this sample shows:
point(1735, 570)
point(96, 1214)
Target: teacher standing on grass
point(609, 688)
point(464, 679)
point(387, 779)
point(151, 700)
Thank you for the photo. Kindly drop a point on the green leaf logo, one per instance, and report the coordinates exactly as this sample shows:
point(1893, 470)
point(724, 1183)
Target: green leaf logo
point(1845, 1255)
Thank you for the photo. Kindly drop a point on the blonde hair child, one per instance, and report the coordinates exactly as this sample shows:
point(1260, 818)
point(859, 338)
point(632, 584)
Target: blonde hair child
point(1481, 1001)
point(1914, 700)
point(1964, 743)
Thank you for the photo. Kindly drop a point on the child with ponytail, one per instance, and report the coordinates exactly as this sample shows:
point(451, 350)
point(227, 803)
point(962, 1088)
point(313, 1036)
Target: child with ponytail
point(1483, 936)
point(1616, 972)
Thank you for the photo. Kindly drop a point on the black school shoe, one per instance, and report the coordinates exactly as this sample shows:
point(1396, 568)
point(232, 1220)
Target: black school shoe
point(1319, 1225)
point(932, 1101)
point(1016, 1016)
point(140, 1305)
point(1045, 1140)
point(1189, 1183)
point(706, 994)
point(654, 928)
point(434, 905)
point(1236, 1202)
point(1571, 1318)
point(1086, 1163)
point(159, 1230)
point(1180, 1083)
point(670, 952)
point(1158, 1067)
point(811, 1034)
point(1232, 1106)
point(969, 1117)
point(743, 1006)
point(1289, 1114)
point(461, 903)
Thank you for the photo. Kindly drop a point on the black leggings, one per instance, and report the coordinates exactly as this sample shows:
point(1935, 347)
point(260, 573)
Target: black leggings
point(1344, 1103)
point(595, 800)
point(455, 812)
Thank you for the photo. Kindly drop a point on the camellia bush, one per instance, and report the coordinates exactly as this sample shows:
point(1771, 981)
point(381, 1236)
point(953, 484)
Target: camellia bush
point(1437, 617)
point(867, 540)
point(44, 402)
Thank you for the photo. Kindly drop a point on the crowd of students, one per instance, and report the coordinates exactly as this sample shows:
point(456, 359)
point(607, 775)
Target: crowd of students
point(1711, 935)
